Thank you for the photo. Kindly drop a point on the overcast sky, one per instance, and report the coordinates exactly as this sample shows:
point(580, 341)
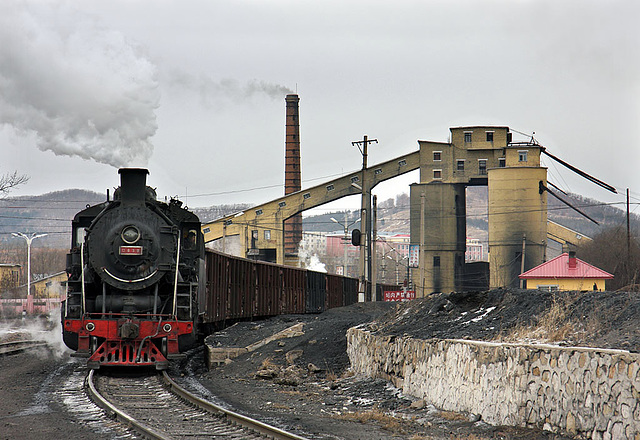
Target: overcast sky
point(194, 90)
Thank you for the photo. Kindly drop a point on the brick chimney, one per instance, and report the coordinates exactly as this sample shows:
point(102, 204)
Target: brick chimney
point(572, 260)
point(292, 180)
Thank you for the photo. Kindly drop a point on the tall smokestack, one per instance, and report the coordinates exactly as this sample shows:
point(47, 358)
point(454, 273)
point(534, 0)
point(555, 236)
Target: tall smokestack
point(292, 180)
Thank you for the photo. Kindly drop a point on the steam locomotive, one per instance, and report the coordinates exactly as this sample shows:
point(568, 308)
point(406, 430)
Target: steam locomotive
point(142, 288)
point(135, 268)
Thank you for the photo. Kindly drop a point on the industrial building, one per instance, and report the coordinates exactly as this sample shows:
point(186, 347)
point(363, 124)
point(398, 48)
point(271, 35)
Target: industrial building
point(473, 156)
point(517, 209)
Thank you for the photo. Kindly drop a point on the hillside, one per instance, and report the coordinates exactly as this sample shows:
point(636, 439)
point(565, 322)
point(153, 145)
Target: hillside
point(393, 215)
point(51, 213)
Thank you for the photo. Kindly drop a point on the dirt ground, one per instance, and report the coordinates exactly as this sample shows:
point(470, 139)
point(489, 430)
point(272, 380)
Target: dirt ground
point(38, 389)
point(304, 382)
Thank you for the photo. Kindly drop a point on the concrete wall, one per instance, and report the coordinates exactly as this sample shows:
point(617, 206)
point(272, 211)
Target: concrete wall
point(569, 284)
point(444, 240)
point(591, 392)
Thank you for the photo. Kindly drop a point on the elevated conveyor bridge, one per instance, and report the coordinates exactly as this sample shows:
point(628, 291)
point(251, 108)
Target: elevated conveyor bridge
point(260, 229)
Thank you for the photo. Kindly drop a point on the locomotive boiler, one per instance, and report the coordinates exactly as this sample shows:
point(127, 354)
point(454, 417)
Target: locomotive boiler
point(135, 267)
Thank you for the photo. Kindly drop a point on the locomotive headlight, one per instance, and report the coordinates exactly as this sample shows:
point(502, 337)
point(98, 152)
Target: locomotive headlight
point(130, 234)
point(167, 328)
point(90, 326)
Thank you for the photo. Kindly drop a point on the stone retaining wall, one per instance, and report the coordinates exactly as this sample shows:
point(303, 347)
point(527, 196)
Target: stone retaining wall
point(594, 393)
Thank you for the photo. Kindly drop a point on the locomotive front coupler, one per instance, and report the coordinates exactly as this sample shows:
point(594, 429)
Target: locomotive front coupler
point(128, 328)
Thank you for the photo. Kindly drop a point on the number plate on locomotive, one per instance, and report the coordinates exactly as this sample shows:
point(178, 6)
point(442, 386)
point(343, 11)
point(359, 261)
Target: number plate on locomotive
point(130, 250)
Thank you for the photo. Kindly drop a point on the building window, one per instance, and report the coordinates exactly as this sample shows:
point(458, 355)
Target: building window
point(522, 155)
point(437, 174)
point(436, 261)
point(267, 235)
point(437, 156)
point(467, 137)
point(489, 136)
point(502, 162)
point(259, 212)
point(330, 187)
point(460, 165)
point(482, 166)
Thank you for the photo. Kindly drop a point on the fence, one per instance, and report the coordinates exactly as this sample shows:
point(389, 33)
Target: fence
point(31, 306)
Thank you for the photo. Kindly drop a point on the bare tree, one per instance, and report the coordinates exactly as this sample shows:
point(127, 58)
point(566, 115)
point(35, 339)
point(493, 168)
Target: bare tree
point(613, 251)
point(45, 262)
point(12, 180)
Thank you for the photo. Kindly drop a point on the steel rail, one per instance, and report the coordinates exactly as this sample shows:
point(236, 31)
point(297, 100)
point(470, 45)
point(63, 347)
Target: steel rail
point(118, 414)
point(231, 417)
point(239, 419)
point(19, 346)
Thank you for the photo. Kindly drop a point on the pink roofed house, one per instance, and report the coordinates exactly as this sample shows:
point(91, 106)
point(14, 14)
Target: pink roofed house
point(566, 272)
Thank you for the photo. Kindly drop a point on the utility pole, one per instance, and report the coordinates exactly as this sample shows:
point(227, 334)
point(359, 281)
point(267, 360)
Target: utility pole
point(372, 257)
point(365, 211)
point(421, 260)
point(524, 248)
point(345, 241)
point(628, 231)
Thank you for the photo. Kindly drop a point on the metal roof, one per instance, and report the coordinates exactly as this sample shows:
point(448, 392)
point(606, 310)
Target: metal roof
point(559, 268)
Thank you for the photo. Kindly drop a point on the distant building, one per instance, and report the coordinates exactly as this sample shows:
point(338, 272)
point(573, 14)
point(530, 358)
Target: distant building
point(51, 286)
point(392, 257)
point(314, 243)
point(344, 256)
point(9, 276)
point(397, 244)
point(47, 286)
point(475, 251)
point(566, 272)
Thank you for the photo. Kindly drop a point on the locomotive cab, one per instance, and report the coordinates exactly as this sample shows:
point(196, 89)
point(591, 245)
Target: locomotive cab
point(134, 270)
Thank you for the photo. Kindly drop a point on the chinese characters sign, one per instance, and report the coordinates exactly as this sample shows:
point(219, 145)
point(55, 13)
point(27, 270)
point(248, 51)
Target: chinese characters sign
point(414, 255)
point(399, 295)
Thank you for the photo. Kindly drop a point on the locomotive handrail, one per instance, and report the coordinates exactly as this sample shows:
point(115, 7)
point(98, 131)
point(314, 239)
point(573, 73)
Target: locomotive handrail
point(127, 314)
point(129, 281)
point(84, 306)
point(175, 282)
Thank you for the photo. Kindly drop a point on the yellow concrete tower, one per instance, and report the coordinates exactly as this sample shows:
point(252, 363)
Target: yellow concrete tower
point(517, 215)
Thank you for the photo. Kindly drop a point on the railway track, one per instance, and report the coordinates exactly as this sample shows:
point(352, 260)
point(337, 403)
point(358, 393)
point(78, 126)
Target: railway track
point(7, 348)
point(158, 408)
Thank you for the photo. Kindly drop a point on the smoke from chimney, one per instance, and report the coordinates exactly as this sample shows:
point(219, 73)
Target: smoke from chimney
point(211, 91)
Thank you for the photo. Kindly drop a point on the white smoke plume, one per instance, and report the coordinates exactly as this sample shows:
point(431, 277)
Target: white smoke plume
point(82, 89)
point(310, 260)
point(210, 91)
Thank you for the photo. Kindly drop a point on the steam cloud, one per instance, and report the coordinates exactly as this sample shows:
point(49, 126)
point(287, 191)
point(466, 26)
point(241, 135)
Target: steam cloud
point(82, 89)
